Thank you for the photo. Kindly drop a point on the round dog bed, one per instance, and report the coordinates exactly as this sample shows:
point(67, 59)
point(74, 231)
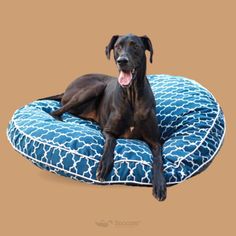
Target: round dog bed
point(191, 123)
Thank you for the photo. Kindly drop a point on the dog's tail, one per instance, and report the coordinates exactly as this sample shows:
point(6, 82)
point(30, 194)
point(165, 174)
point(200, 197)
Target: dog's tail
point(57, 97)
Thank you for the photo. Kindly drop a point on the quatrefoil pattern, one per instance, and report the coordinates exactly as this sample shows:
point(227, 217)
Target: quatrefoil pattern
point(192, 128)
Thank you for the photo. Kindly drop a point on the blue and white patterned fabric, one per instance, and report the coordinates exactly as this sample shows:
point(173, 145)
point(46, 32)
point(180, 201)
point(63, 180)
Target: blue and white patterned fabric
point(191, 122)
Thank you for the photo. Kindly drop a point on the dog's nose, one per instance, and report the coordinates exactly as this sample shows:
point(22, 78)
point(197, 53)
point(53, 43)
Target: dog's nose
point(122, 60)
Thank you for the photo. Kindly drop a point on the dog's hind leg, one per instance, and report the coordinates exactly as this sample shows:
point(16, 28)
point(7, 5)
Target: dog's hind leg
point(83, 95)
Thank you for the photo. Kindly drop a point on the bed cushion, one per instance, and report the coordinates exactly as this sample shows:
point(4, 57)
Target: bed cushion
point(192, 128)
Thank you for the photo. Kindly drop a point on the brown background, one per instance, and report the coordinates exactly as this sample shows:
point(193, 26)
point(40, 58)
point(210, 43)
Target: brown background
point(45, 45)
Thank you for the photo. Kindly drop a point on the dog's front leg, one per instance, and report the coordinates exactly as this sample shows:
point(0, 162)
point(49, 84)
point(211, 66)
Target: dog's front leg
point(158, 181)
point(151, 135)
point(106, 162)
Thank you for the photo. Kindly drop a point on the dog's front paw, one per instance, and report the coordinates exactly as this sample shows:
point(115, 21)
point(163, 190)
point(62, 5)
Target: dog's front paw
point(104, 167)
point(159, 188)
point(56, 116)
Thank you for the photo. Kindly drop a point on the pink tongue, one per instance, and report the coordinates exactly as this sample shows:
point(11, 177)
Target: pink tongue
point(124, 78)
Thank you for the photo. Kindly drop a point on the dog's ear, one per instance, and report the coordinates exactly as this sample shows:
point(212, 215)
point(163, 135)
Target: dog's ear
point(148, 45)
point(110, 46)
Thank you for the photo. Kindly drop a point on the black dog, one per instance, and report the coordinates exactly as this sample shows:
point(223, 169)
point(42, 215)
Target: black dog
point(123, 107)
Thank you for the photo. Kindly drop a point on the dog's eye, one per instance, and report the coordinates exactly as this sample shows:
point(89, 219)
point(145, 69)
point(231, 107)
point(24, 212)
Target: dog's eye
point(118, 47)
point(134, 45)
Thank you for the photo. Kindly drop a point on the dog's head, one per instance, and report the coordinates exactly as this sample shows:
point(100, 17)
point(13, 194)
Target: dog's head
point(129, 54)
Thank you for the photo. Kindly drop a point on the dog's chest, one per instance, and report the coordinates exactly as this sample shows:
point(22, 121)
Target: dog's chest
point(134, 117)
point(129, 132)
point(131, 128)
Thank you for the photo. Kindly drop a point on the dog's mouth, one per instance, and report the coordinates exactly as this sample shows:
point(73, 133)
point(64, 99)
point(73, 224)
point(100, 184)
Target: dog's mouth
point(125, 77)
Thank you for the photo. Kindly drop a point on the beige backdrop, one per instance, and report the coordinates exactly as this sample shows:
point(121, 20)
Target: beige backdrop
point(45, 45)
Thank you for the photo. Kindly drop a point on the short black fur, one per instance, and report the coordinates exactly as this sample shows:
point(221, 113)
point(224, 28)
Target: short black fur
point(121, 111)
